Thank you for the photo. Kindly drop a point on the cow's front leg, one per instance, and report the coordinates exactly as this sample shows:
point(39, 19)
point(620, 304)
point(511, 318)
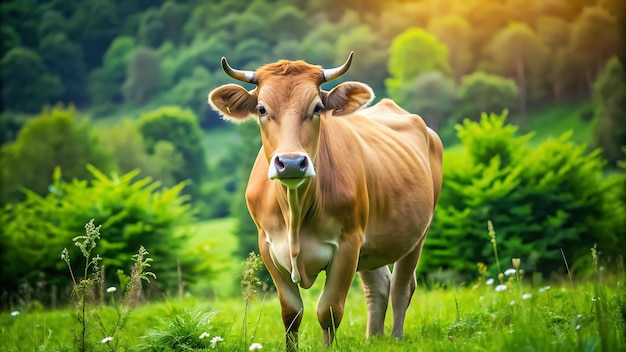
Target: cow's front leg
point(338, 279)
point(288, 295)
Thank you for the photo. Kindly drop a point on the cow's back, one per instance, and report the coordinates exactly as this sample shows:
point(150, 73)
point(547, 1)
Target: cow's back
point(402, 158)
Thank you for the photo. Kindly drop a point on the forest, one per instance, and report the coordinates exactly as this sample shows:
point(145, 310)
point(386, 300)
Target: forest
point(105, 116)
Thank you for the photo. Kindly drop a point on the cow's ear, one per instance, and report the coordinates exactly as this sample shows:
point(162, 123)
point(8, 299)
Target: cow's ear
point(233, 102)
point(348, 97)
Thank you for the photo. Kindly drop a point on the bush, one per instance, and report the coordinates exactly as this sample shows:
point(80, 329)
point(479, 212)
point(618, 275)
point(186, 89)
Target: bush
point(142, 80)
point(55, 138)
point(480, 92)
point(180, 128)
point(540, 200)
point(34, 232)
point(609, 94)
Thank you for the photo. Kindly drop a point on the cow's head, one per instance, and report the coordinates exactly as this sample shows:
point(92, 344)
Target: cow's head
point(289, 105)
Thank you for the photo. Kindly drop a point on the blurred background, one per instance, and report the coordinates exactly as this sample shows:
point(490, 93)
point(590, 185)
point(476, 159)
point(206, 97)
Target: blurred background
point(105, 116)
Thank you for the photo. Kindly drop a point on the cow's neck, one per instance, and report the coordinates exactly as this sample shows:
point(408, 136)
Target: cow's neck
point(293, 203)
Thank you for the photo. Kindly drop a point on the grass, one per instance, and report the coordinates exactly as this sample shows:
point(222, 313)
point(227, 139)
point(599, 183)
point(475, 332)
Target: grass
point(576, 314)
point(215, 243)
point(589, 317)
point(553, 121)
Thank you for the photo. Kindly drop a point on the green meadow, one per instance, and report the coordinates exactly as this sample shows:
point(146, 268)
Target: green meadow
point(517, 311)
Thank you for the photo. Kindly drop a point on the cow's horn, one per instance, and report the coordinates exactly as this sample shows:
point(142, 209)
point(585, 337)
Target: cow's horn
point(245, 76)
point(334, 73)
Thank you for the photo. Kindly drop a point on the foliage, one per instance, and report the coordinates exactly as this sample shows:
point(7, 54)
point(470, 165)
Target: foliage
point(413, 52)
point(55, 138)
point(481, 92)
point(454, 31)
point(133, 212)
point(105, 82)
point(610, 99)
point(578, 38)
point(518, 52)
point(527, 315)
point(594, 38)
point(180, 128)
point(64, 59)
point(431, 95)
point(246, 229)
point(143, 75)
point(89, 289)
point(540, 200)
point(184, 330)
point(126, 144)
point(27, 84)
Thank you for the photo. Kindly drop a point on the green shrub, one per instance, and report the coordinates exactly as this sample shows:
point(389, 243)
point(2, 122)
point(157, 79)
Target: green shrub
point(180, 128)
point(55, 138)
point(480, 92)
point(609, 94)
point(134, 213)
point(540, 200)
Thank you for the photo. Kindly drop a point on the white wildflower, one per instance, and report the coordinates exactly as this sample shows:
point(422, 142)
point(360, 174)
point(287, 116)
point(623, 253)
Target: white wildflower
point(107, 339)
point(512, 303)
point(216, 340)
point(544, 289)
point(578, 327)
point(593, 299)
point(15, 313)
point(526, 296)
point(501, 288)
point(255, 347)
point(204, 335)
point(489, 282)
point(111, 289)
point(510, 272)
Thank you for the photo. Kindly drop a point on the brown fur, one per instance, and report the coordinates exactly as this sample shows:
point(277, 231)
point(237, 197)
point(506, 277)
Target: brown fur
point(378, 177)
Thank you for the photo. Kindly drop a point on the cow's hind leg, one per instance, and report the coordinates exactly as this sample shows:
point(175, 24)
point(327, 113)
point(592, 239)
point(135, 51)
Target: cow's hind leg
point(403, 284)
point(376, 288)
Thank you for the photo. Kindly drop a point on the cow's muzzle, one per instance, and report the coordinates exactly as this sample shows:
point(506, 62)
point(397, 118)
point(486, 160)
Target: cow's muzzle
point(291, 169)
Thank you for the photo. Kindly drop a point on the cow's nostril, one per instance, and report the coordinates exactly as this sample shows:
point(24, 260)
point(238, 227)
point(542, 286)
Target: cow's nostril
point(304, 164)
point(280, 166)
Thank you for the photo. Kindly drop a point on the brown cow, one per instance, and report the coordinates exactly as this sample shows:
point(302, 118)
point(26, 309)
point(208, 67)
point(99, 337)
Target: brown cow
point(335, 188)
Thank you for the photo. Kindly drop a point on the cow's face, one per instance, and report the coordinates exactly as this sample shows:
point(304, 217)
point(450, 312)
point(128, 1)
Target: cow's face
point(289, 106)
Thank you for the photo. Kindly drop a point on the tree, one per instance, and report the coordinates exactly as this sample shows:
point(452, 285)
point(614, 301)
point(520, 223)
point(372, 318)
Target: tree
point(609, 94)
point(52, 22)
point(173, 18)
point(26, 81)
point(143, 75)
point(431, 95)
point(481, 92)
point(562, 69)
point(370, 57)
point(64, 59)
point(180, 128)
point(95, 24)
point(10, 40)
point(151, 28)
point(518, 52)
point(53, 139)
point(413, 52)
point(455, 33)
point(594, 39)
point(105, 83)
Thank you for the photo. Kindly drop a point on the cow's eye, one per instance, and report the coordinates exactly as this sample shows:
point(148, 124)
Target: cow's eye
point(318, 109)
point(262, 111)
